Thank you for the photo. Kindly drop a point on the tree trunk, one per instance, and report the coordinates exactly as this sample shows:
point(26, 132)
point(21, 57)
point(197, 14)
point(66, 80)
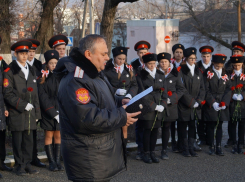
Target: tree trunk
point(45, 30)
point(5, 25)
point(107, 23)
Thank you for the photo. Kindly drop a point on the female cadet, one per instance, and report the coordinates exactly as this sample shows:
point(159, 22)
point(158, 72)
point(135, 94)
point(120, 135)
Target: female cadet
point(121, 77)
point(48, 91)
point(189, 107)
point(218, 95)
point(147, 77)
point(236, 115)
point(175, 91)
point(178, 56)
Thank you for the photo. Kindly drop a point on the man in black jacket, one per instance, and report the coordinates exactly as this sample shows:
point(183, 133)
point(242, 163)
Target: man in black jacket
point(90, 122)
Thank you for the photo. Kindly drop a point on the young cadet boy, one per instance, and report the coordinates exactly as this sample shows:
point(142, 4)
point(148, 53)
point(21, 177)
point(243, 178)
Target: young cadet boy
point(58, 43)
point(20, 94)
point(37, 65)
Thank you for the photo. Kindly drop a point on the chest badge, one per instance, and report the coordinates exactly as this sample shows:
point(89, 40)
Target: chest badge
point(224, 83)
point(160, 80)
point(141, 106)
point(127, 75)
point(170, 81)
point(198, 77)
point(34, 81)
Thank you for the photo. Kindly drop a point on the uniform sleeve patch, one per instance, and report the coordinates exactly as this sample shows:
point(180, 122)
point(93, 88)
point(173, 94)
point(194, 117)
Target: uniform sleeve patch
point(5, 82)
point(83, 95)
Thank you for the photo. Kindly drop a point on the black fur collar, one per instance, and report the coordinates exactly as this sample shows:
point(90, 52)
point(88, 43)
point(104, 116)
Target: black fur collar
point(136, 64)
point(5, 65)
point(185, 69)
point(37, 64)
point(84, 63)
point(16, 69)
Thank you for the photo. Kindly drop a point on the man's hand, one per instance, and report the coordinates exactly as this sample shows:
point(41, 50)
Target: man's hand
point(125, 101)
point(130, 119)
point(6, 113)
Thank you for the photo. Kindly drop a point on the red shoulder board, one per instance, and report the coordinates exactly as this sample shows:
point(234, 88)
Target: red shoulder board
point(1, 58)
point(83, 95)
point(7, 69)
point(179, 68)
point(200, 70)
point(136, 74)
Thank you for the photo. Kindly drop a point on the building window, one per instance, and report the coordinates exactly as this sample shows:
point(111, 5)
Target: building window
point(132, 33)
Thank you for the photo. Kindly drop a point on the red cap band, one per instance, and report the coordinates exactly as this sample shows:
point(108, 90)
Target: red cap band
point(34, 45)
point(218, 54)
point(236, 55)
point(21, 48)
point(142, 46)
point(206, 50)
point(58, 42)
point(239, 47)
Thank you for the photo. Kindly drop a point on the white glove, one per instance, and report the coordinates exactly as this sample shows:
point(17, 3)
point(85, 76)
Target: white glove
point(121, 91)
point(224, 107)
point(168, 101)
point(159, 108)
point(196, 105)
point(216, 106)
point(239, 97)
point(57, 118)
point(234, 97)
point(29, 107)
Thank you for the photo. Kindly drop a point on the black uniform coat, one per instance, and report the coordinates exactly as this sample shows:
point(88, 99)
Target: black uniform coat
point(17, 97)
point(136, 64)
point(235, 80)
point(195, 92)
point(130, 84)
point(90, 123)
point(175, 85)
point(37, 65)
point(217, 90)
point(145, 80)
point(48, 92)
point(228, 66)
point(4, 66)
point(200, 66)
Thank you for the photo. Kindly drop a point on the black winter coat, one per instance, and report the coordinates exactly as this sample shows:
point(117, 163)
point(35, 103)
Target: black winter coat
point(200, 66)
point(217, 90)
point(145, 80)
point(130, 85)
point(176, 87)
point(136, 64)
point(195, 92)
point(4, 66)
point(90, 122)
point(48, 92)
point(37, 65)
point(17, 97)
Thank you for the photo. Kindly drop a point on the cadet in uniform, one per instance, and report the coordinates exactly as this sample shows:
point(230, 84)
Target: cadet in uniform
point(203, 65)
point(218, 95)
point(37, 65)
point(237, 115)
point(58, 43)
point(175, 91)
point(141, 48)
point(20, 94)
point(190, 103)
point(151, 122)
point(121, 77)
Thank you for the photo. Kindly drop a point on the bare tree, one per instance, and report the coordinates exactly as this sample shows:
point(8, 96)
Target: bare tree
point(60, 16)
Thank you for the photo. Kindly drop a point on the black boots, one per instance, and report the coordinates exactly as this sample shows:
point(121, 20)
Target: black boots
point(139, 154)
point(239, 148)
point(164, 155)
point(3, 167)
point(185, 152)
point(57, 157)
point(50, 155)
point(147, 158)
point(234, 149)
point(191, 147)
point(38, 163)
point(174, 146)
point(196, 147)
point(219, 150)
point(212, 150)
point(153, 157)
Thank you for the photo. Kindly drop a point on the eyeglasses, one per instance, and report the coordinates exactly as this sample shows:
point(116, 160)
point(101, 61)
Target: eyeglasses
point(192, 59)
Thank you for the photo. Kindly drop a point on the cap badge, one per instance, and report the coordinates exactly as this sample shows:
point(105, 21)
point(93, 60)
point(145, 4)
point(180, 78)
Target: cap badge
point(236, 59)
point(52, 54)
point(121, 50)
point(223, 58)
point(141, 106)
point(179, 45)
point(192, 50)
point(162, 54)
point(143, 45)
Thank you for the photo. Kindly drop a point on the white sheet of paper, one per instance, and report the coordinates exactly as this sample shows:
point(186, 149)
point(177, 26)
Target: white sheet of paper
point(140, 95)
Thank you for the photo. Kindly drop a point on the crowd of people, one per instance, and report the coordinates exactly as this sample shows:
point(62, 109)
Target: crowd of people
point(194, 94)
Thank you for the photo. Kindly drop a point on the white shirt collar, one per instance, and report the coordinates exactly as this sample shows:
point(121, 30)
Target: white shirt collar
point(152, 73)
point(171, 67)
point(121, 67)
point(177, 63)
point(192, 68)
point(24, 69)
point(206, 65)
point(141, 64)
point(238, 72)
point(31, 62)
point(218, 72)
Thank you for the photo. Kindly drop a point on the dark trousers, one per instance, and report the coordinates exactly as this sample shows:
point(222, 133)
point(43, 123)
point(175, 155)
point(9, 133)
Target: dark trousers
point(233, 126)
point(22, 147)
point(165, 134)
point(34, 153)
point(211, 127)
point(150, 139)
point(2, 145)
point(229, 129)
point(139, 134)
point(201, 130)
point(173, 131)
point(182, 125)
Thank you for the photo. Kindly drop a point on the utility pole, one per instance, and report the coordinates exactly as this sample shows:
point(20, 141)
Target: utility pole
point(239, 20)
point(84, 17)
point(91, 16)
